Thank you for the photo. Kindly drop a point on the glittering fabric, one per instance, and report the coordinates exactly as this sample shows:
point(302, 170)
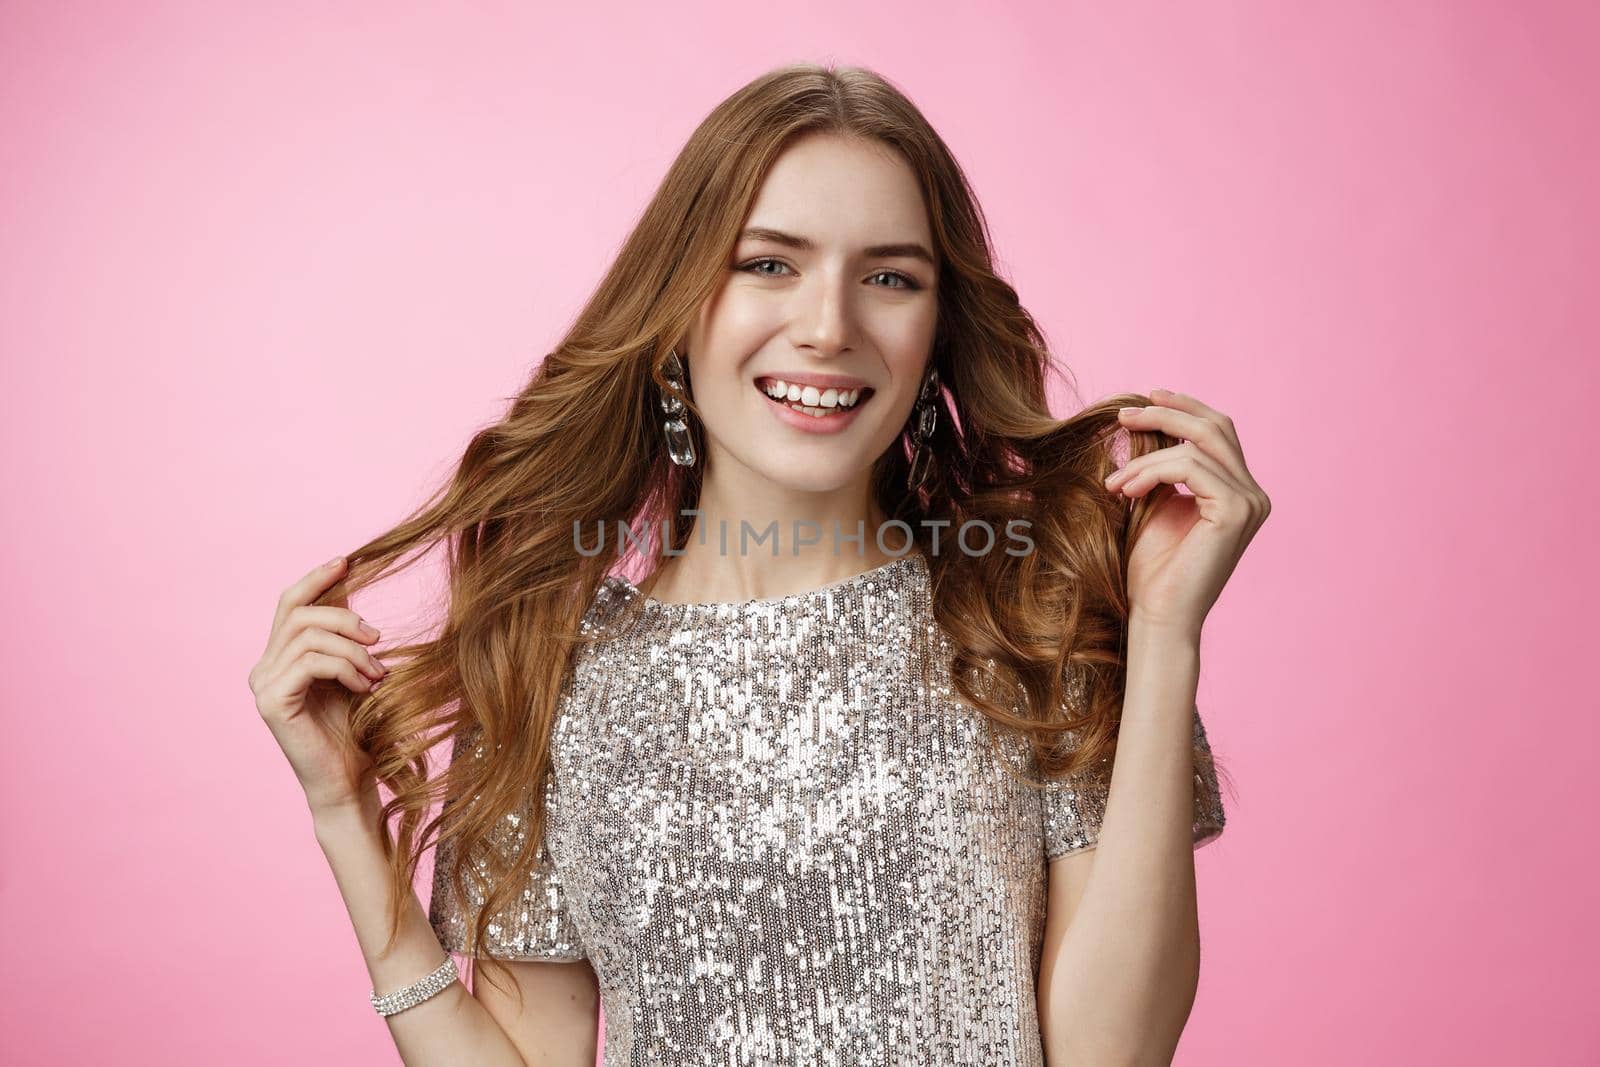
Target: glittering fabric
point(779, 837)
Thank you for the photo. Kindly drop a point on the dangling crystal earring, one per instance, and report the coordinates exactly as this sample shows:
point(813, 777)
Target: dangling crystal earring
point(679, 445)
point(927, 414)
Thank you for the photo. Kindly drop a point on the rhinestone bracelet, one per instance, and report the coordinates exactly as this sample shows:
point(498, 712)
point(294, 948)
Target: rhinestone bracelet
point(417, 992)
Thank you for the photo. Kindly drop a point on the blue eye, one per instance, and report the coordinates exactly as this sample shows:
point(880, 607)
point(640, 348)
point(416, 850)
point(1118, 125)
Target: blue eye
point(910, 283)
point(752, 267)
point(754, 263)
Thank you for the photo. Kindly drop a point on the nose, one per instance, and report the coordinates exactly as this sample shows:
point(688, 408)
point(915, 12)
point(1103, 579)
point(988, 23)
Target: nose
point(823, 320)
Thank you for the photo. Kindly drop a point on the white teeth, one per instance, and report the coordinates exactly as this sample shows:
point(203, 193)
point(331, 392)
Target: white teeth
point(809, 398)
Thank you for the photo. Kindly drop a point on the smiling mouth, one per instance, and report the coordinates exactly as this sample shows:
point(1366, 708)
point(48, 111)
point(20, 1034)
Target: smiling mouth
point(828, 402)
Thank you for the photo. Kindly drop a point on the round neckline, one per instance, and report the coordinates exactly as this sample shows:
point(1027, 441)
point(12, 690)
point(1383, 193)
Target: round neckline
point(882, 570)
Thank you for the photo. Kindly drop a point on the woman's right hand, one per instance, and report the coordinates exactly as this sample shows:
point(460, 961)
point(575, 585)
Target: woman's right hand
point(308, 643)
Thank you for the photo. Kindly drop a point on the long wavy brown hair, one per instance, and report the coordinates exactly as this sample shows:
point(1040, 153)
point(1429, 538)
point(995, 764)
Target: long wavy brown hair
point(582, 443)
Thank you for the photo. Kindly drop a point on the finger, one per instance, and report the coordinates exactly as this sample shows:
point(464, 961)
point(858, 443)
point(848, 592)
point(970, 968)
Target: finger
point(1244, 499)
point(335, 620)
point(313, 665)
point(1238, 468)
point(1213, 438)
point(307, 589)
point(316, 639)
point(1219, 495)
point(1187, 403)
point(1118, 477)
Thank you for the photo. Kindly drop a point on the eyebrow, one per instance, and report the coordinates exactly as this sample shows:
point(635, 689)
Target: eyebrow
point(911, 250)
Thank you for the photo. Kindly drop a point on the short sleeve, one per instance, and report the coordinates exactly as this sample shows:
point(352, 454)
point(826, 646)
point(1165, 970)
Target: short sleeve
point(536, 924)
point(1074, 807)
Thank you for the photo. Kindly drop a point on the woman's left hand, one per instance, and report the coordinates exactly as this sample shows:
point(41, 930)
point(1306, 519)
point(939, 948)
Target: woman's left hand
point(1191, 544)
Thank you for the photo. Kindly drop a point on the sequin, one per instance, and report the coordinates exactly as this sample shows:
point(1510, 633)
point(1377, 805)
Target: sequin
point(778, 836)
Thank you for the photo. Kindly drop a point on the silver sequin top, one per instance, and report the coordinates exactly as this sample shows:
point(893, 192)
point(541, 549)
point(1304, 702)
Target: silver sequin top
point(776, 843)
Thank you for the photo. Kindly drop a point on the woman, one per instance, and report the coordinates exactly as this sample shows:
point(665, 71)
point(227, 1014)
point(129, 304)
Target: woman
point(833, 782)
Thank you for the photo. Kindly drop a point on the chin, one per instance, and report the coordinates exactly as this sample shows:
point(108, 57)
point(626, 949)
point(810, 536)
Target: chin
point(824, 481)
point(811, 475)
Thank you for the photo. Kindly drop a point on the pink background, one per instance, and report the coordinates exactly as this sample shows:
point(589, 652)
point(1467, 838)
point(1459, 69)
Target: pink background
point(266, 269)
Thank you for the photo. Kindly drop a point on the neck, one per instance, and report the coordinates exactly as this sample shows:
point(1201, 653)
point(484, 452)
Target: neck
point(724, 560)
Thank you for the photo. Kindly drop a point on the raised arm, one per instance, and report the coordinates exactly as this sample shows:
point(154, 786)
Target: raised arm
point(1120, 962)
point(558, 1020)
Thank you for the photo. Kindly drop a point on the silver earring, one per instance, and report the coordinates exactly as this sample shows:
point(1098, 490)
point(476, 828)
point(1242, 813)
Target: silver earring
point(679, 445)
point(927, 415)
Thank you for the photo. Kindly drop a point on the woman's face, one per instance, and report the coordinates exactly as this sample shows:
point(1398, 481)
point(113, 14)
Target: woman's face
point(831, 287)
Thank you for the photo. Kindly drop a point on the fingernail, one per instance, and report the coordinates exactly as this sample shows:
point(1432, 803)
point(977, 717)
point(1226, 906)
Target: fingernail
point(1128, 411)
point(369, 629)
point(334, 562)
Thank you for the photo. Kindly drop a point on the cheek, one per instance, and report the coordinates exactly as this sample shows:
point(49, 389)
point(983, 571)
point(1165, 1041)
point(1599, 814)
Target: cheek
point(907, 345)
point(738, 312)
point(911, 327)
point(726, 337)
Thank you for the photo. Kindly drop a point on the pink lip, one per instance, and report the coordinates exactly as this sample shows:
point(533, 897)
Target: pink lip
point(810, 423)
